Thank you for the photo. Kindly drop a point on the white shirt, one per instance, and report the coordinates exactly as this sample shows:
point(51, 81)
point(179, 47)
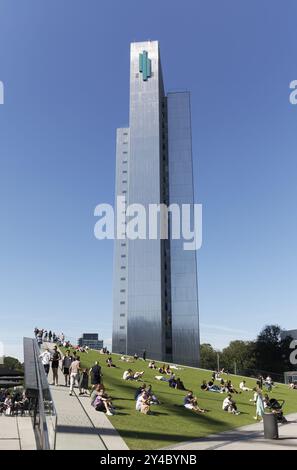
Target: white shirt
point(226, 403)
point(45, 358)
point(126, 374)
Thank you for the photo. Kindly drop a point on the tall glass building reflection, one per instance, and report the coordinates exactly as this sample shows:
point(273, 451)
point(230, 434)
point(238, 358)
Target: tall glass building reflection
point(155, 281)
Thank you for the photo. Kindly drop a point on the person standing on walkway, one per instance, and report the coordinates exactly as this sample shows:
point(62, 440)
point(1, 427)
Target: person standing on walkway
point(259, 406)
point(39, 338)
point(96, 375)
point(50, 336)
point(74, 374)
point(45, 359)
point(66, 363)
point(144, 355)
point(55, 365)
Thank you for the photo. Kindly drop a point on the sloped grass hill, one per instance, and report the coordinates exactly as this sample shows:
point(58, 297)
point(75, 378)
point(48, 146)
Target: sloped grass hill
point(170, 422)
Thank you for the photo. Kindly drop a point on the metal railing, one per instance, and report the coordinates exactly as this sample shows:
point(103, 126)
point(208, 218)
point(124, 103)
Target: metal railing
point(44, 413)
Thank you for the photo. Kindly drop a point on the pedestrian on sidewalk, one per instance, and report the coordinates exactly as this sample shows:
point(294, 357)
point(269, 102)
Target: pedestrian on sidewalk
point(66, 363)
point(55, 365)
point(74, 373)
point(259, 406)
point(39, 338)
point(96, 375)
point(45, 359)
point(84, 382)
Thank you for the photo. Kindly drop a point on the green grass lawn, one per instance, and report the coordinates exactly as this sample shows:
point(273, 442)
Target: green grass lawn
point(170, 422)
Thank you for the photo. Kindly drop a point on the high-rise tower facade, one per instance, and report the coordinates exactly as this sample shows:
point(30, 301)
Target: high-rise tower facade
point(155, 301)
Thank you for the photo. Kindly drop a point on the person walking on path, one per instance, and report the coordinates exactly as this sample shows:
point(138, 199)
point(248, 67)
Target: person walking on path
point(50, 335)
point(55, 365)
point(74, 373)
point(39, 338)
point(96, 375)
point(259, 406)
point(66, 363)
point(46, 359)
point(144, 355)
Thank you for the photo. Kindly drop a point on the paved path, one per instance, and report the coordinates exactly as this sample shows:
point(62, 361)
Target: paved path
point(249, 437)
point(80, 426)
point(16, 433)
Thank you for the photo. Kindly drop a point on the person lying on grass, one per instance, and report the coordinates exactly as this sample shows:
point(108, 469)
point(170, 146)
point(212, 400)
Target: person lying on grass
point(191, 403)
point(130, 375)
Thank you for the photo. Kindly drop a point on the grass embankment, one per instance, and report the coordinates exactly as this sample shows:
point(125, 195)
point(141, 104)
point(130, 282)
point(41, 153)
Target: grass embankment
point(170, 422)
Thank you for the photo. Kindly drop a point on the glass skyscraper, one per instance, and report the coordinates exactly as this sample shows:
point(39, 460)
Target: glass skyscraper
point(155, 300)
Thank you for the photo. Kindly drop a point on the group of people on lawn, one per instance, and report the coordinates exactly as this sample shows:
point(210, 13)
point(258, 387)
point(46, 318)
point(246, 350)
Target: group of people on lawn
point(144, 396)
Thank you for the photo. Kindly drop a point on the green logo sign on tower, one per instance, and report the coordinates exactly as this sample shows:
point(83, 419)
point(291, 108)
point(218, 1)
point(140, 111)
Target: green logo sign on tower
point(144, 66)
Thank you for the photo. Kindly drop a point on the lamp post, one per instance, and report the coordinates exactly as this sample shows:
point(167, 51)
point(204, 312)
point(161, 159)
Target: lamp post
point(218, 359)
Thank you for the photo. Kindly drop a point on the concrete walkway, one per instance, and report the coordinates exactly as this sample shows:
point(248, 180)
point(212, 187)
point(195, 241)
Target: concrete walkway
point(16, 433)
point(249, 437)
point(79, 425)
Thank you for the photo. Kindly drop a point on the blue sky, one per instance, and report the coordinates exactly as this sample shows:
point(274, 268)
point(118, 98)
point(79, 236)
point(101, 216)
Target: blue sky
point(65, 68)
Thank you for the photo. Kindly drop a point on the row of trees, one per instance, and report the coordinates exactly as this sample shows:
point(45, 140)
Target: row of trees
point(269, 352)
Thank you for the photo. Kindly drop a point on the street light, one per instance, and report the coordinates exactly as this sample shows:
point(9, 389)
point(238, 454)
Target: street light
point(218, 359)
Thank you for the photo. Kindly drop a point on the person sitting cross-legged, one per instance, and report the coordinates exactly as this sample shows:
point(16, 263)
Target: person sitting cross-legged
point(230, 405)
point(143, 403)
point(191, 403)
point(101, 401)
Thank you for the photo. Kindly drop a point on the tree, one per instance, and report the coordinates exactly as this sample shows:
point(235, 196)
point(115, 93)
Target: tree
point(240, 352)
point(272, 352)
point(208, 357)
point(13, 363)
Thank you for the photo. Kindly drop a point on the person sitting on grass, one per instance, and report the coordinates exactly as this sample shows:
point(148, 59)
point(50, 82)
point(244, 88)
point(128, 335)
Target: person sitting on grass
point(210, 387)
point(230, 387)
point(293, 385)
point(243, 387)
point(204, 386)
point(95, 392)
point(138, 375)
point(168, 370)
point(152, 397)
point(128, 375)
point(179, 384)
point(139, 390)
point(230, 405)
point(109, 362)
point(101, 401)
point(191, 403)
point(143, 403)
point(152, 365)
point(172, 380)
point(162, 369)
